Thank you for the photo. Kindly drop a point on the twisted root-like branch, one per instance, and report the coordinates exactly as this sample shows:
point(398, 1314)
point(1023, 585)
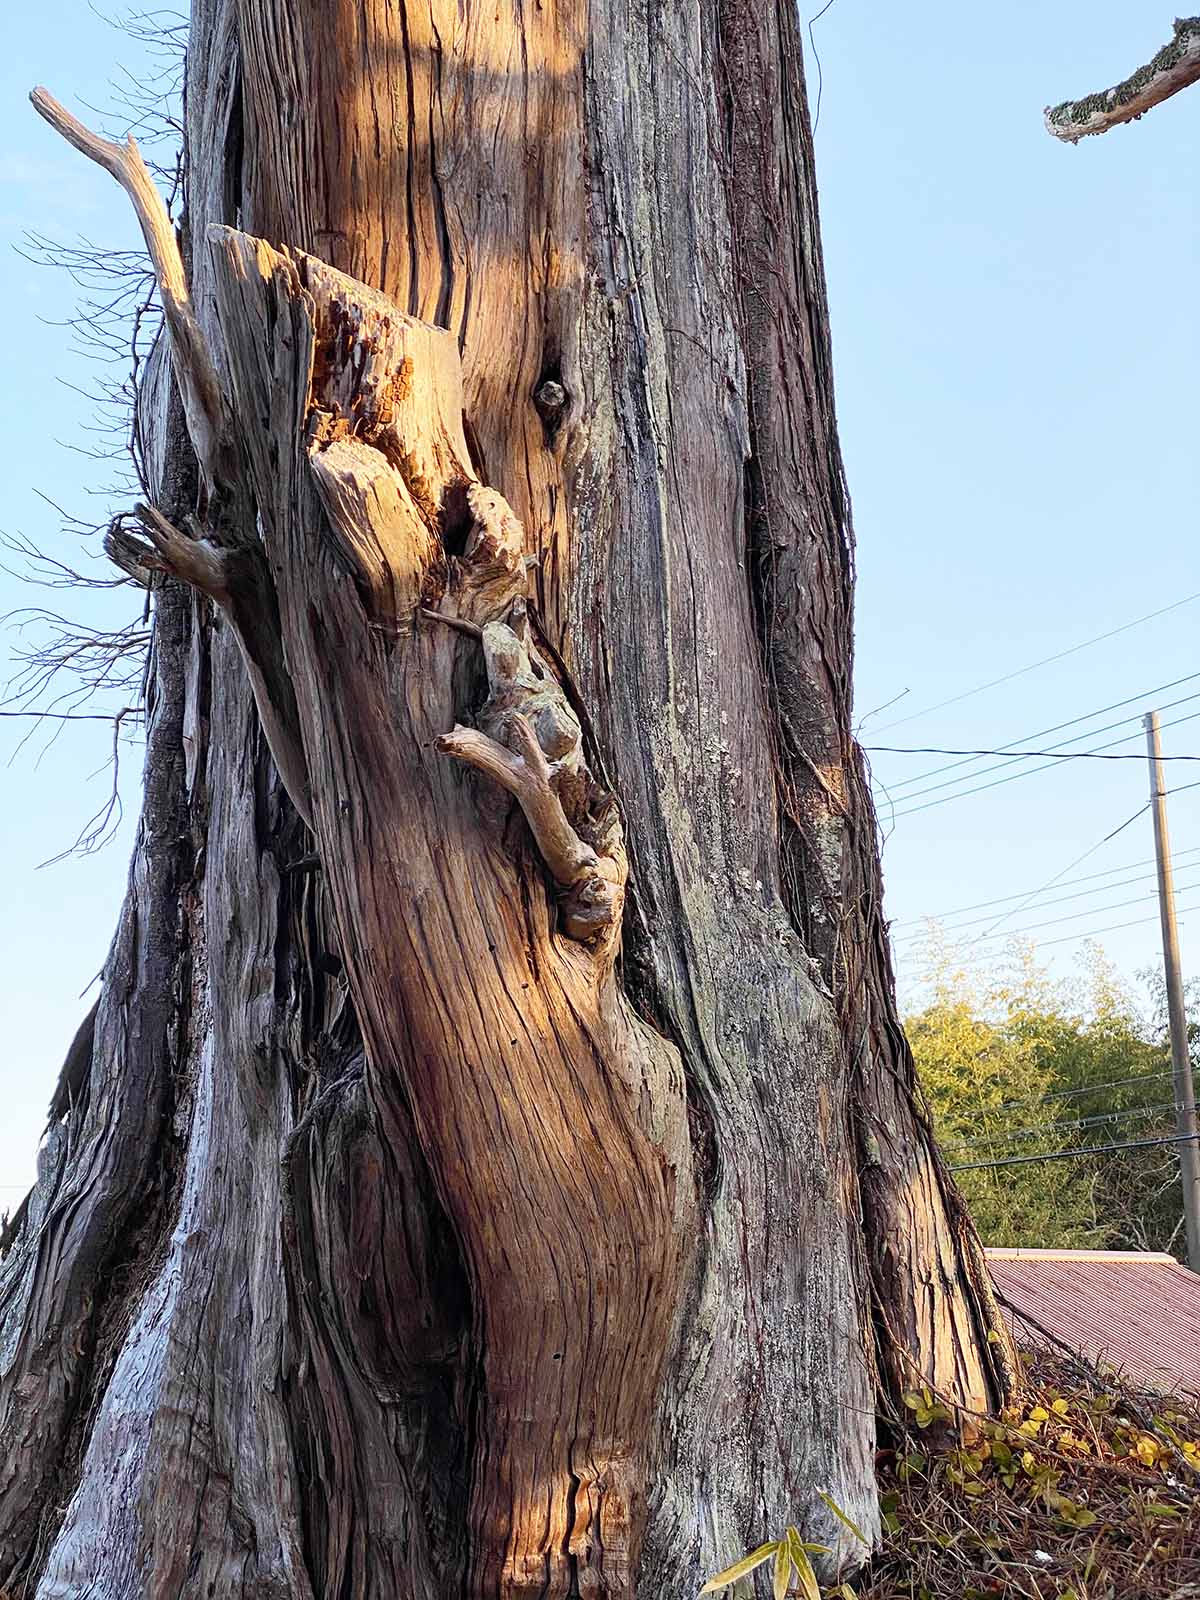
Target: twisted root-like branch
point(592, 885)
point(530, 743)
point(1175, 66)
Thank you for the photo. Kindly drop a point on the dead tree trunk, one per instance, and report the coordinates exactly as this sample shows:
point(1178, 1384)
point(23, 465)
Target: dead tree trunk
point(498, 1170)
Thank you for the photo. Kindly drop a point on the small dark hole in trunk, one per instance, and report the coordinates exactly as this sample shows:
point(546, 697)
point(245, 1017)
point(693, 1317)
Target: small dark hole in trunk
point(550, 398)
point(457, 520)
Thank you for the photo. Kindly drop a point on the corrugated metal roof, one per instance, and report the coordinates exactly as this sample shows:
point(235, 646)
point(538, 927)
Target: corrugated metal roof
point(1139, 1313)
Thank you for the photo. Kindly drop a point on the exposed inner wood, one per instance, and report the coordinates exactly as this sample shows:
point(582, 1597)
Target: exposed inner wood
point(360, 476)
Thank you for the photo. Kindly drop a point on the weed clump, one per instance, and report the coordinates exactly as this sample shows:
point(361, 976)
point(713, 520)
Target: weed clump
point(1086, 1488)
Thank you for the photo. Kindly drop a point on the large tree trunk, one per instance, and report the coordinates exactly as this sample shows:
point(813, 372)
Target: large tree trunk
point(494, 1167)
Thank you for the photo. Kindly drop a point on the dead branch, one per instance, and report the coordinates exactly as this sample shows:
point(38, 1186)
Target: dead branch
point(196, 561)
point(94, 660)
point(525, 773)
point(194, 370)
point(1175, 66)
point(471, 629)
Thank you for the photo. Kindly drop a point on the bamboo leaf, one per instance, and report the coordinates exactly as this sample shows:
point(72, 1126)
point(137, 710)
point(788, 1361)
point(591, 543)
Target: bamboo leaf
point(739, 1569)
point(798, 1558)
point(809, 1586)
point(843, 1518)
point(783, 1570)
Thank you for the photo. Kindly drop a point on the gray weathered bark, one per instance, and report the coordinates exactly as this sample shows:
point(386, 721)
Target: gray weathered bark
point(503, 1182)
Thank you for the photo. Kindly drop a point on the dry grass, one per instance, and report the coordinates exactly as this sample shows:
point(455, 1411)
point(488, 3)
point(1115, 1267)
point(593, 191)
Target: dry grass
point(1087, 1489)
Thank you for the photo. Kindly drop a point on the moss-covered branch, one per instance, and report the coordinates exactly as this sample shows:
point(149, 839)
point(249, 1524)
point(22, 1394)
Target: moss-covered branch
point(1175, 66)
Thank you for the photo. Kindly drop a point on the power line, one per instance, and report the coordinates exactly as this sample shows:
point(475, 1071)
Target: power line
point(1041, 733)
point(1092, 933)
point(1088, 933)
point(1071, 916)
point(1009, 752)
point(1079, 894)
point(1087, 1088)
point(1046, 661)
point(1020, 755)
point(1026, 772)
point(1065, 1155)
point(1026, 895)
point(1070, 867)
point(1043, 1128)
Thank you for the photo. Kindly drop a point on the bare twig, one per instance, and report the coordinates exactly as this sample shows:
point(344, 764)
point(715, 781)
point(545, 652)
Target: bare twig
point(64, 716)
point(103, 823)
point(1175, 66)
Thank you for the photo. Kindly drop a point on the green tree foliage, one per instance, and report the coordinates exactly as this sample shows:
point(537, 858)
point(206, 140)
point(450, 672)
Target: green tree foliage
point(1017, 1065)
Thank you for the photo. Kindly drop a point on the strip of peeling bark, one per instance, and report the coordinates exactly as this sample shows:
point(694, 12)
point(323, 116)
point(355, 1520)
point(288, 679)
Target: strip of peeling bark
point(917, 1229)
point(1175, 66)
point(105, 1175)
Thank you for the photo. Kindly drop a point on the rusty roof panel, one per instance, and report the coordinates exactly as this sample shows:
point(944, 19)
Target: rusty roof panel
point(1138, 1313)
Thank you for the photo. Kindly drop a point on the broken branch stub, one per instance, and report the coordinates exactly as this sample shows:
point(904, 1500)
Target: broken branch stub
point(1175, 66)
point(196, 561)
point(235, 579)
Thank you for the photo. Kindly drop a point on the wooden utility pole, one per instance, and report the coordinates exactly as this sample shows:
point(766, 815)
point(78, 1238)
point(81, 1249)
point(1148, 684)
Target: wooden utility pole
point(1181, 1061)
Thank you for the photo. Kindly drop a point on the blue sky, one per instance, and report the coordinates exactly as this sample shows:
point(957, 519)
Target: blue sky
point(1016, 347)
point(1015, 364)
